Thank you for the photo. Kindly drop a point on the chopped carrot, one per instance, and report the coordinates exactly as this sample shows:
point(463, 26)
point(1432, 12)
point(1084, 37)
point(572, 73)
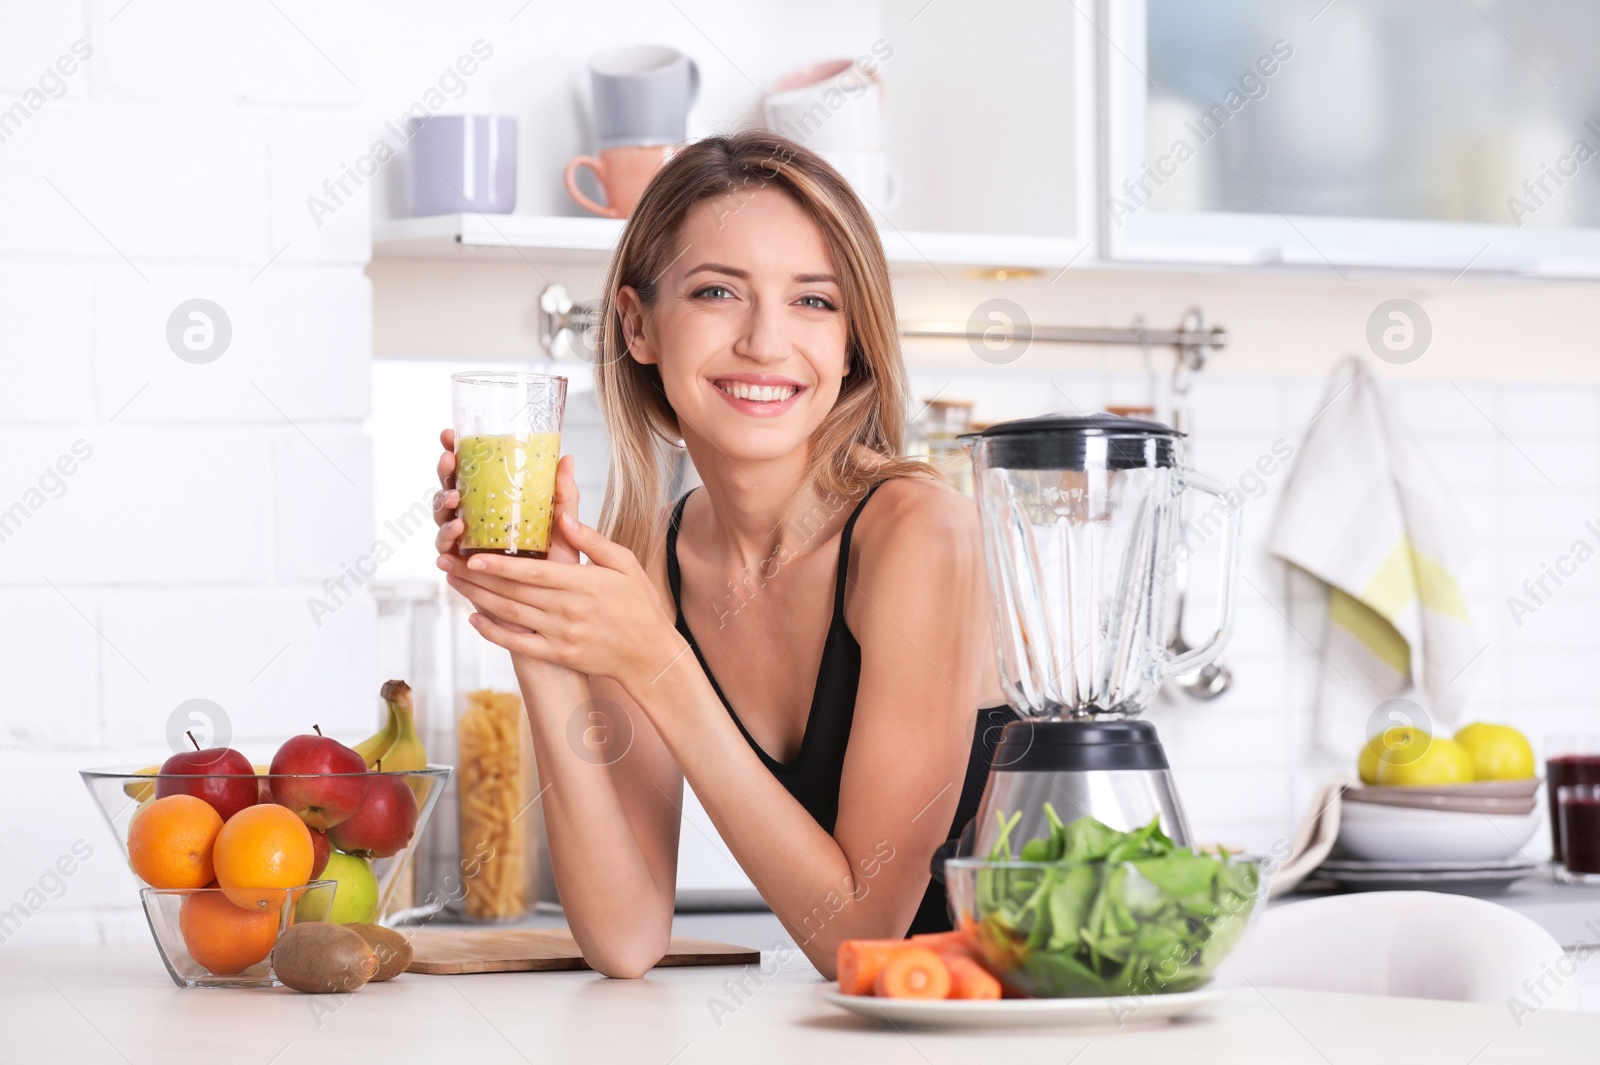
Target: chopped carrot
point(960, 940)
point(914, 972)
point(968, 979)
point(861, 960)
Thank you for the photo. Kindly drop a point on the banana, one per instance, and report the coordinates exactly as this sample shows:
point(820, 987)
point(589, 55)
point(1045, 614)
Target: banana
point(406, 752)
point(377, 745)
point(140, 790)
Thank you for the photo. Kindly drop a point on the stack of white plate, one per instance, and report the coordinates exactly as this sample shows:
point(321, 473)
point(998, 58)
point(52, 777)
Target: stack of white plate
point(1466, 878)
point(1465, 837)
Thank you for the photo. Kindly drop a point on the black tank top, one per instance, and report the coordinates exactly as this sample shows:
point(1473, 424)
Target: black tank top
point(817, 768)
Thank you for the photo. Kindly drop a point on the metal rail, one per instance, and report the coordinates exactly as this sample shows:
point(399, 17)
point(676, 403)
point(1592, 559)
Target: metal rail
point(562, 322)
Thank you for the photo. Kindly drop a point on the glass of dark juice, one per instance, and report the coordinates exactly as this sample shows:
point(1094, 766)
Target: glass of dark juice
point(1569, 760)
point(1578, 813)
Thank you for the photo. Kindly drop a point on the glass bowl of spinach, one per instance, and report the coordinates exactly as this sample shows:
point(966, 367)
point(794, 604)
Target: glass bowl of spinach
point(1088, 911)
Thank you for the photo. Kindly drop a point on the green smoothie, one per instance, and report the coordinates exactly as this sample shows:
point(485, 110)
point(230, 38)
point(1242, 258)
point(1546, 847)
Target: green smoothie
point(507, 484)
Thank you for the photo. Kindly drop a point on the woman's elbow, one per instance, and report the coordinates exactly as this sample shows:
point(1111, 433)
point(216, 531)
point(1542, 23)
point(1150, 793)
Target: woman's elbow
point(625, 961)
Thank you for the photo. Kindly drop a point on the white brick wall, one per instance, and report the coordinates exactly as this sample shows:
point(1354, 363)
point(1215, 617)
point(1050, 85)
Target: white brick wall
point(175, 561)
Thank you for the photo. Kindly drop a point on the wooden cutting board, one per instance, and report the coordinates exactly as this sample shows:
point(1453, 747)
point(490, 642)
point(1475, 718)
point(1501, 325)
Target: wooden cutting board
point(451, 951)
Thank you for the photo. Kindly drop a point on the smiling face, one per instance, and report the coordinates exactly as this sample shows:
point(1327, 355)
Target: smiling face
point(747, 328)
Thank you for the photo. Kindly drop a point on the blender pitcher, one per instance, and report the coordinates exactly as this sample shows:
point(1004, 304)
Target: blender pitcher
point(1081, 533)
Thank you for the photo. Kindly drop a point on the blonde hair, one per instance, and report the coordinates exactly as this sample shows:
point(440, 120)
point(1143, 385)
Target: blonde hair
point(870, 412)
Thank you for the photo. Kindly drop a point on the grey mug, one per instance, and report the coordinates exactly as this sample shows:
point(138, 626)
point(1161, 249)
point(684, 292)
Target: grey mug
point(642, 95)
point(461, 163)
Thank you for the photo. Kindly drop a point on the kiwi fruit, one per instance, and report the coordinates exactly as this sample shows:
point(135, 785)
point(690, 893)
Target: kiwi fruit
point(322, 959)
point(392, 948)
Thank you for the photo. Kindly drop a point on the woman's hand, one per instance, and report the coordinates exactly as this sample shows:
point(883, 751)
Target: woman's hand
point(604, 619)
point(448, 499)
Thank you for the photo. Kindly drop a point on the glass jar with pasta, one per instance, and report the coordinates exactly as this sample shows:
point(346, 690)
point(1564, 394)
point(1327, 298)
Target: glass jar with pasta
point(497, 785)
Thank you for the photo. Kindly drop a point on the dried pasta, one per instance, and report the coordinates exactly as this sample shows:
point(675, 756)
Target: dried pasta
point(495, 775)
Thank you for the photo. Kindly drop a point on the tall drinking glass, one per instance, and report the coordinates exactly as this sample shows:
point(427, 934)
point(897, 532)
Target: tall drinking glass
point(1569, 760)
point(508, 441)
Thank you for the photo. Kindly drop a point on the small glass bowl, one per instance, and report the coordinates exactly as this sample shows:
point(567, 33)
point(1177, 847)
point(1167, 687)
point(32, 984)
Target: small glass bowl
point(211, 929)
point(1151, 940)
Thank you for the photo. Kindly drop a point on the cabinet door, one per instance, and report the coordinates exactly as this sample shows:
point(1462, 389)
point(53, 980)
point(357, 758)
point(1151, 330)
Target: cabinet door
point(1445, 134)
point(990, 127)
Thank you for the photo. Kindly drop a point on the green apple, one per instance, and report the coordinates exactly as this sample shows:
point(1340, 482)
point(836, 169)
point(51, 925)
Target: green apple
point(355, 899)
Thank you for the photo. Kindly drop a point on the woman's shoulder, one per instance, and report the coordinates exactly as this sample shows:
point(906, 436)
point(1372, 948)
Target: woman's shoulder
point(918, 514)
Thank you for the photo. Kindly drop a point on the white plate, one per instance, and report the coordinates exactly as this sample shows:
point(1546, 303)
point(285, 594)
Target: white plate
point(1121, 1012)
point(1357, 865)
point(1464, 882)
point(1395, 834)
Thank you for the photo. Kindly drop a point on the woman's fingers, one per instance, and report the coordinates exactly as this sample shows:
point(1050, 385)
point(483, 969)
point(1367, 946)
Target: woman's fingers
point(445, 540)
point(447, 461)
point(445, 502)
point(541, 573)
point(565, 502)
point(601, 551)
point(533, 595)
point(518, 613)
point(530, 644)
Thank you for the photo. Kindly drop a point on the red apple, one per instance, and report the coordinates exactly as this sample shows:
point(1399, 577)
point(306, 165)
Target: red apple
point(327, 782)
point(383, 825)
point(321, 847)
point(220, 775)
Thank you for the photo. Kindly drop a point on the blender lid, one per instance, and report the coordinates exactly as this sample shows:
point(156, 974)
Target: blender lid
point(1068, 442)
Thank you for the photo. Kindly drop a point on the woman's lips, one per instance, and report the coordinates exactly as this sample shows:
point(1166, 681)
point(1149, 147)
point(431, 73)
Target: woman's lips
point(759, 398)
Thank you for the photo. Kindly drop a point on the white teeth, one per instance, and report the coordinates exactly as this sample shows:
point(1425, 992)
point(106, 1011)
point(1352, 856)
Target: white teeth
point(758, 393)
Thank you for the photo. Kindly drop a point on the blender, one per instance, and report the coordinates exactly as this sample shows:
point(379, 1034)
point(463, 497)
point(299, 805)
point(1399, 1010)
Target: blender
point(1082, 536)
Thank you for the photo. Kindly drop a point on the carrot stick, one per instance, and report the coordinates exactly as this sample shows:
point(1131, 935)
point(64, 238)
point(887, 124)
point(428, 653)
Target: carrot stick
point(914, 972)
point(960, 940)
point(861, 960)
point(968, 979)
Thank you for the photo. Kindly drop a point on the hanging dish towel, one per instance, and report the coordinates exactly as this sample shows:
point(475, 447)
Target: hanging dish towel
point(1363, 514)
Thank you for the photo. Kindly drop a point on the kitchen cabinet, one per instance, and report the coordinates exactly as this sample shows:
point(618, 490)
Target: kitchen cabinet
point(988, 123)
point(1432, 134)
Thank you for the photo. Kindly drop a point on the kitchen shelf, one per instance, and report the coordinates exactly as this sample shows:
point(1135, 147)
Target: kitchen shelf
point(555, 239)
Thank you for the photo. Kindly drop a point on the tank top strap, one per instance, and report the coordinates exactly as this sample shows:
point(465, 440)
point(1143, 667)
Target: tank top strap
point(674, 575)
point(843, 576)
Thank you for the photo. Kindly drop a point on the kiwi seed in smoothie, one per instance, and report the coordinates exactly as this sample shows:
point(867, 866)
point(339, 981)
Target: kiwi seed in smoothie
point(507, 484)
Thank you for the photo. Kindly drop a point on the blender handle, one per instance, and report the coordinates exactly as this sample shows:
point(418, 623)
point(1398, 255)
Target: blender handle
point(1206, 652)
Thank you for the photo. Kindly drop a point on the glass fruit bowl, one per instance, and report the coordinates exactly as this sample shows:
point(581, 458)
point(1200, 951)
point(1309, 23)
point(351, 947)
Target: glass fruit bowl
point(1080, 929)
point(207, 940)
point(370, 879)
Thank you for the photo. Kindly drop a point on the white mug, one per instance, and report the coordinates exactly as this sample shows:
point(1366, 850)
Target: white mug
point(831, 106)
point(869, 174)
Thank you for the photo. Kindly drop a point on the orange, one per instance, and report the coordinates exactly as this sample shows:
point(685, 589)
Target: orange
point(263, 847)
point(170, 841)
point(224, 938)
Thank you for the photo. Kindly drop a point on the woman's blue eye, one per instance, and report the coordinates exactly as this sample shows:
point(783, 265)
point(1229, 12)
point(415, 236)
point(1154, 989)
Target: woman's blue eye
point(709, 289)
point(818, 302)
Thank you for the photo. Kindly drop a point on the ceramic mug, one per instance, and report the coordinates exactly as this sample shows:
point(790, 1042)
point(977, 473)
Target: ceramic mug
point(622, 174)
point(869, 174)
point(830, 106)
point(459, 163)
point(641, 95)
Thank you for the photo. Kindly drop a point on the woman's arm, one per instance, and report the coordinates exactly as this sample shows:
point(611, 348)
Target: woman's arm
point(914, 710)
point(610, 792)
point(611, 800)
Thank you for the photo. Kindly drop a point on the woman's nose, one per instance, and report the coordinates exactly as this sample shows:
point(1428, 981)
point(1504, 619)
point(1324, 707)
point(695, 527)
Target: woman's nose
point(765, 337)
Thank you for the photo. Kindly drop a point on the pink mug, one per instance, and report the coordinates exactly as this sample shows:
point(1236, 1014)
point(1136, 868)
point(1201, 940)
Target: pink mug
point(622, 174)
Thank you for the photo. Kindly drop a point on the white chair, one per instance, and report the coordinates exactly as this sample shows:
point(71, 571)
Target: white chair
point(1411, 944)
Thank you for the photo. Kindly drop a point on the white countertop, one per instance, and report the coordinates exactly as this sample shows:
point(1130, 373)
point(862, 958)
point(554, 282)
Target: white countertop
point(83, 1005)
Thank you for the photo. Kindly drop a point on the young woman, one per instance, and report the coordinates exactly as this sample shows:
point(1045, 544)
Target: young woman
point(806, 639)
